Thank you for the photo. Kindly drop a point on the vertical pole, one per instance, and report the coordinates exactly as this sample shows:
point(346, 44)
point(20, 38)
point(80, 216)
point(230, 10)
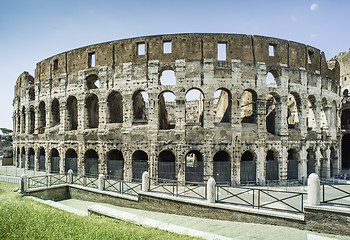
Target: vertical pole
point(211, 187)
point(70, 176)
point(24, 183)
point(145, 182)
point(313, 190)
point(101, 182)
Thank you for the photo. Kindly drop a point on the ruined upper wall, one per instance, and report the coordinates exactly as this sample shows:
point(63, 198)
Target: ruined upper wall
point(190, 47)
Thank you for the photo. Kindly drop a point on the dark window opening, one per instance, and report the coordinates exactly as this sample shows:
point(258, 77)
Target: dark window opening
point(168, 78)
point(42, 117)
point(92, 82)
point(139, 165)
point(92, 109)
point(115, 165)
point(222, 168)
point(166, 166)
point(310, 162)
point(24, 120)
point(55, 64)
point(32, 120)
point(31, 94)
point(71, 162)
point(292, 166)
point(115, 107)
point(91, 163)
point(345, 152)
point(23, 162)
point(31, 158)
point(248, 168)
point(272, 167)
point(55, 112)
point(310, 57)
point(42, 160)
point(72, 116)
point(55, 161)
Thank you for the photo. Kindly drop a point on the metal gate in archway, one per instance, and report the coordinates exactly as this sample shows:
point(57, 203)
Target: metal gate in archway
point(91, 167)
point(115, 169)
point(292, 169)
point(55, 164)
point(272, 170)
point(248, 171)
point(71, 163)
point(23, 164)
point(31, 162)
point(222, 172)
point(138, 167)
point(42, 163)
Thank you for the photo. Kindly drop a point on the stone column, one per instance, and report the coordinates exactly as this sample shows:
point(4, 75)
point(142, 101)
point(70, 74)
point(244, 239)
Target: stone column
point(283, 126)
point(303, 162)
point(303, 116)
point(283, 162)
point(261, 163)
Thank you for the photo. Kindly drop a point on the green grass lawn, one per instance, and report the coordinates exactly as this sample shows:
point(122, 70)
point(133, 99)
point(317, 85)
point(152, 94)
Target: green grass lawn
point(22, 218)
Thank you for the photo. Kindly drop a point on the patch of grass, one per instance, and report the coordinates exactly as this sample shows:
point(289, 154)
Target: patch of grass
point(22, 218)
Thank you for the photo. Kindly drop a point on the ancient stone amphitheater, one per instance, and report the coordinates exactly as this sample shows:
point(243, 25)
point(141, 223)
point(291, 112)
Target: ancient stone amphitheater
point(240, 108)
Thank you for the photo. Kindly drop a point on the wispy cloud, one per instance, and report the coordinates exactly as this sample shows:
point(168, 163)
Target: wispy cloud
point(313, 7)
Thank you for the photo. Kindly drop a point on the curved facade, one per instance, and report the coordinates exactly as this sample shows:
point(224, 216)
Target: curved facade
point(240, 108)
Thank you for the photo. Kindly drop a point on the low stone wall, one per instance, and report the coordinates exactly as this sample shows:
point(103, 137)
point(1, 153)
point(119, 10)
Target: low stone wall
point(198, 208)
point(54, 193)
point(329, 219)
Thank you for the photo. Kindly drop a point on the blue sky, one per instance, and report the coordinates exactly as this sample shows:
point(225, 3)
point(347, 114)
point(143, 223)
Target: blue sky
point(33, 30)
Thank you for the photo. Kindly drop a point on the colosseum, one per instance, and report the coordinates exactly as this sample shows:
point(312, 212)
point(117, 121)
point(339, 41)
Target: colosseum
point(239, 108)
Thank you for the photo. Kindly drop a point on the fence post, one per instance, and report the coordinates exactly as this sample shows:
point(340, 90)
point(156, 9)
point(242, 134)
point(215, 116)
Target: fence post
point(101, 182)
point(145, 182)
point(211, 190)
point(70, 176)
point(24, 183)
point(313, 190)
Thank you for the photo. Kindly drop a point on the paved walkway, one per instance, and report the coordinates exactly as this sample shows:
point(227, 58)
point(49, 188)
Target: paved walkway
point(227, 229)
point(233, 230)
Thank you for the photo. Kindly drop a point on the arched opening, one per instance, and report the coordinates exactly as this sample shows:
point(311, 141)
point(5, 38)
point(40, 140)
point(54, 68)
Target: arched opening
point(222, 106)
point(294, 108)
point(42, 159)
point(115, 107)
point(92, 82)
point(115, 165)
point(42, 117)
point(23, 163)
point(139, 164)
point(310, 114)
point(324, 168)
point(24, 119)
point(55, 112)
point(346, 93)
point(31, 93)
point(91, 163)
point(248, 168)
point(345, 119)
point(92, 111)
point(168, 78)
point(194, 167)
point(292, 166)
point(345, 155)
point(166, 166)
point(55, 161)
point(71, 161)
point(140, 106)
point(18, 122)
point(324, 115)
point(167, 110)
point(194, 107)
point(18, 157)
point(270, 80)
point(272, 168)
point(222, 168)
point(310, 161)
point(272, 113)
point(248, 106)
point(333, 115)
point(31, 158)
point(31, 120)
point(333, 163)
point(72, 113)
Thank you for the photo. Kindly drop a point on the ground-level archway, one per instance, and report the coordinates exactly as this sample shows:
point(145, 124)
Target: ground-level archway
point(222, 168)
point(194, 167)
point(345, 154)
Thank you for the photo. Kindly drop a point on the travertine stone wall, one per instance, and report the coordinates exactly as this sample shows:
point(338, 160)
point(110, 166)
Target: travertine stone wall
point(89, 75)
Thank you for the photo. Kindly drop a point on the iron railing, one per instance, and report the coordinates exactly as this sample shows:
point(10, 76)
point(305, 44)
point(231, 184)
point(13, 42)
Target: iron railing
point(179, 188)
point(122, 187)
point(46, 180)
point(86, 181)
point(335, 194)
point(261, 198)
